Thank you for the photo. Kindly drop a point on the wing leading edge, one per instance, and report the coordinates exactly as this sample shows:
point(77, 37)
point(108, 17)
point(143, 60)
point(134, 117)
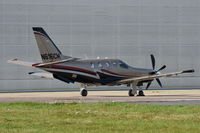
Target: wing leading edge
point(144, 78)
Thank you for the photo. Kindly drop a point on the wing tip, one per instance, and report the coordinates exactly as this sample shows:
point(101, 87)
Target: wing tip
point(188, 71)
point(31, 73)
point(12, 60)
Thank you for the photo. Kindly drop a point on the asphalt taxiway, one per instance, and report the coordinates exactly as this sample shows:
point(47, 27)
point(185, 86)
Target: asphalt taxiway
point(162, 97)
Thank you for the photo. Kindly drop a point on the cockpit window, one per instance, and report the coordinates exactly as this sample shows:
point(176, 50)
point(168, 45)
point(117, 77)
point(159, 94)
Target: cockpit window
point(123, 65)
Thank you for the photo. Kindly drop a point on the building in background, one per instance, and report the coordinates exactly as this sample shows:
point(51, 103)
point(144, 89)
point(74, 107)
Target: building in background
point(127, 29)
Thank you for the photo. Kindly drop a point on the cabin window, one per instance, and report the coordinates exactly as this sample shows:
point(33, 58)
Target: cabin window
point(107, 64)
point(92, 65)
point(100, 65)
point(114, 64)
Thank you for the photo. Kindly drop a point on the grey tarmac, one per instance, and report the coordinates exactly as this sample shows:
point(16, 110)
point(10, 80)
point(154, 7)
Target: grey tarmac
point(161, 97)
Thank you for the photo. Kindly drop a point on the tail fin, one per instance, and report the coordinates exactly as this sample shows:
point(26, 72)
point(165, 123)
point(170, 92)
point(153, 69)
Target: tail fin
point(48, 50)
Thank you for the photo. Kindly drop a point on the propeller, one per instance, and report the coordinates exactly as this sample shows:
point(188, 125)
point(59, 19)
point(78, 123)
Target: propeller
point(158, 80)
point(153, 61)
point(163, 67)
point(155, 72)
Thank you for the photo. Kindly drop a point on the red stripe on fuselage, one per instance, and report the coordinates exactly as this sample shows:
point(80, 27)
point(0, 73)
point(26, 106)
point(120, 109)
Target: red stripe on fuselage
point(36, 64)
point(74, 69)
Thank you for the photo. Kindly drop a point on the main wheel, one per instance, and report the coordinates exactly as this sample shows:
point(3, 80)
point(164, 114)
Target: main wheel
point(130, 93)
point(84, 92)
point(141, 93)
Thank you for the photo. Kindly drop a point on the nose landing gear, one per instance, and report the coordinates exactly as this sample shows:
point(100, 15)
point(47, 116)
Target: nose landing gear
point(141, 93)
point(133, 90)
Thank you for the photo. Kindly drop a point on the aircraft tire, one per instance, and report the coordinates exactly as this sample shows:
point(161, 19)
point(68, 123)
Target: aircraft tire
point(84, 92)
point(141, 93)
point(130, 93)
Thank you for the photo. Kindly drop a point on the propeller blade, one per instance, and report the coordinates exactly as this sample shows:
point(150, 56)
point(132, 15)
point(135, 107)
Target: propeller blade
point(158, 80)
point(148, 85)
point(153, 61)
point(163, 67)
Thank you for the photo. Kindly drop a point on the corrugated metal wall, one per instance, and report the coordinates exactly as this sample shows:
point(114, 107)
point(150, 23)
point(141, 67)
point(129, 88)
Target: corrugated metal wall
point(127, 29)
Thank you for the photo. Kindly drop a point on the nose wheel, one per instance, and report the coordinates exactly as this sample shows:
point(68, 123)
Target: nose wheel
point(141, 93)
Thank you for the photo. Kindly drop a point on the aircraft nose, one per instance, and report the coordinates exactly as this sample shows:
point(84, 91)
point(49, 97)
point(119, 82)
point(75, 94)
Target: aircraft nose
point(152, 72)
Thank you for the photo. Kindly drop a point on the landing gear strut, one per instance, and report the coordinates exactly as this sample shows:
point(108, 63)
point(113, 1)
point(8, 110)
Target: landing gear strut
point(133, 90)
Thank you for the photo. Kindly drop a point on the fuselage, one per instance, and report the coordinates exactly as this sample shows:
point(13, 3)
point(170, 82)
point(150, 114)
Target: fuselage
point(95, 72)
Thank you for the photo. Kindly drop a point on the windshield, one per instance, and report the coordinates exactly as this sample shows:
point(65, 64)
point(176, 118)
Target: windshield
point(123, 65)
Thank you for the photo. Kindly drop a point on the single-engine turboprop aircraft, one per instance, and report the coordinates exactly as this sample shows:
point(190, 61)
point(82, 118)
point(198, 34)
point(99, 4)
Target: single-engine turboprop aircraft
point(91, 72)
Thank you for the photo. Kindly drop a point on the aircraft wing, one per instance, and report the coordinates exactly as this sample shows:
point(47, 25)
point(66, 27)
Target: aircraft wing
point(151, 77)
point(42, 74)
point(18, 62)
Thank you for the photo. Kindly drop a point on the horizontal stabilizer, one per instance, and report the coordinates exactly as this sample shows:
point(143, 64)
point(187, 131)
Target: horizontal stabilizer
point(18, 62)
point(42, 74)
point(55, 62)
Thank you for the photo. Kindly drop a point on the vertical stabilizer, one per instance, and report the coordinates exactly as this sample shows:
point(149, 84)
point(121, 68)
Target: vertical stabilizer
point(48, 50)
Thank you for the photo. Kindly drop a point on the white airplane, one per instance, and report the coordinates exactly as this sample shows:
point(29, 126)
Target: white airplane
point(91, 72)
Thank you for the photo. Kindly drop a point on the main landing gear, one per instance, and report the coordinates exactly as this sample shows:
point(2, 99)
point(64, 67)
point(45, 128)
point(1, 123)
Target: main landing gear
point(83, 91)
point(133, 90)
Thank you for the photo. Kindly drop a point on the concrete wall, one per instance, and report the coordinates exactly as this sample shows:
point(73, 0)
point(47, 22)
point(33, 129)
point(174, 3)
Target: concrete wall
point(127, 29)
